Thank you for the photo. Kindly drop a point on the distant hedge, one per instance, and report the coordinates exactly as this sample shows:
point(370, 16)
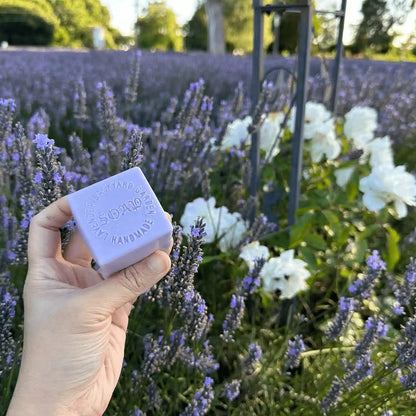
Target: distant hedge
point(27, 23)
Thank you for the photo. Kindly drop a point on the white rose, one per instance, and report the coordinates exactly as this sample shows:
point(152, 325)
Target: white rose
point(286, 274)
point(381, 152)
point(360, 124)
point(226, 226)
point(315, 115)
point(252, 251)
point(343, 176)
point(230, 230)
point(324, 142)
point(236, 133)
point(270, 131)
point(389, 184)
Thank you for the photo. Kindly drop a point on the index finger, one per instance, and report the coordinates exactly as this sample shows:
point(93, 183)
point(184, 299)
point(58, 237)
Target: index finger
point(44, 234)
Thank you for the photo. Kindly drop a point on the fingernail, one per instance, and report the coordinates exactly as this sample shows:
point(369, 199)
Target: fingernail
point(155, 263)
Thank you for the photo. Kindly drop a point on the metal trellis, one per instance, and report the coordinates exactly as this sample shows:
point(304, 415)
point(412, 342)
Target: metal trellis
point(304, 8)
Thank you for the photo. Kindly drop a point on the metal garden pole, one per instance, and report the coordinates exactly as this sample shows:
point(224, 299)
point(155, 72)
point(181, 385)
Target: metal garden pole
point(338, 57)
point(256, 78)
point(305, 30)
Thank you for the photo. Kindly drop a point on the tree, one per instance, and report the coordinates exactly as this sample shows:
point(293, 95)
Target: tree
point(58, 22)
point(289, 29)
point(77, 18)
point(238, 27)
point(195, 31)
point(374, 31)
point(27, 23)
point(239, 18)
point(215, 18)
point(158, 29)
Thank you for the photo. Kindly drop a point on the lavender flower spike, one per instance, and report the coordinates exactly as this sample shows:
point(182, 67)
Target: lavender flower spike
point(296, 347)
point(202, 400)
point(375, 328)
point(361, 288)
point(404, 294)
point(254, 355)
point(332, 397)
point(8, 345)
point(233, 318)
point(338, 325)
point(232, 390)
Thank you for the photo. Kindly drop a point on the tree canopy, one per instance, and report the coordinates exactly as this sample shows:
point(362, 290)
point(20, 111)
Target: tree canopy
point(373, 31)
point(376, 31)
point(58, 22)
point(238, 22)
point(158, 29)
point(27, 23)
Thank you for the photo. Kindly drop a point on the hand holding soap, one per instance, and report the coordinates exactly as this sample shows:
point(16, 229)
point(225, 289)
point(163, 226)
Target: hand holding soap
point(120, 220)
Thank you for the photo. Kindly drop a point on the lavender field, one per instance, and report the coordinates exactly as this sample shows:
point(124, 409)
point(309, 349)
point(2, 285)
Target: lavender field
point(254, 317)
point(47, 79)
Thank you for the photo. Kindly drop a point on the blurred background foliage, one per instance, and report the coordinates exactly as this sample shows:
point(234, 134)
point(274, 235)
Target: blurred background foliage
point(158, 29)
point(55, 22)
point(70, 23)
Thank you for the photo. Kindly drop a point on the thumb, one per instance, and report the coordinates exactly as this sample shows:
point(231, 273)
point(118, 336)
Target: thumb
point(129, 283)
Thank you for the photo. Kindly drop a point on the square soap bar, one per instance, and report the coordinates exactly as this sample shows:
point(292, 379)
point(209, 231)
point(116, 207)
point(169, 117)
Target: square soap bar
point(120, 220)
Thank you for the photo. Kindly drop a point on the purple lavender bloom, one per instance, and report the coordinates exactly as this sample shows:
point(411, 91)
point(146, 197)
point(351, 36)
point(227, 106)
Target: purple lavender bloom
point(42, 141)
point(202, 400)
point(340, 321)
point(409, 381)
point(197, 232)
point(12, 255)
point(57, 177)
point(361, 288)
point(376, 328)
point(8, 346)
point(252, 358)
point(375, 262)
point(233, 318)
point(293, 355)
point(233, 303)
point(333, 395)
point(405, 292)
point(398, 309)
point(232, 390)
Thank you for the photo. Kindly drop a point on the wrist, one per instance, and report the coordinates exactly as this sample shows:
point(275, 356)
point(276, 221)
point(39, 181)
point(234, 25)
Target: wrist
point(26, 402)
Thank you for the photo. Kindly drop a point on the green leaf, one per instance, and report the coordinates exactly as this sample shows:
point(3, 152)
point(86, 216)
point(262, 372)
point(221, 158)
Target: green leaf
point(303, 210)
point(369, 230)
point(330, 216)
point(300, 229)
point(352, 186)
point(361, 247)
point(342, 232)
point(266, 297)
point(309, 256)
point(209, 259)
point(393, 252)
point(316, 241)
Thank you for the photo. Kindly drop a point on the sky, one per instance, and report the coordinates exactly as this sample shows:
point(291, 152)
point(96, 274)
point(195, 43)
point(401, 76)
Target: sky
point(123, 13)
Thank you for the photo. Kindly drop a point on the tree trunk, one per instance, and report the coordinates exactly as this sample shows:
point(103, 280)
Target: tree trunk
point(215, 17)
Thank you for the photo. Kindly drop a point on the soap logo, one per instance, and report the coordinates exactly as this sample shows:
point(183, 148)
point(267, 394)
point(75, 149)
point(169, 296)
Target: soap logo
point(110, 221)
point(114, 214)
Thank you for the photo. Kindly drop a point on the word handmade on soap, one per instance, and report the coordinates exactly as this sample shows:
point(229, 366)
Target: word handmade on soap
point(120, 220)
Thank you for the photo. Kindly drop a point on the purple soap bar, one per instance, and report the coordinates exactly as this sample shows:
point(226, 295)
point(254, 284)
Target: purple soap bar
point(120, 220)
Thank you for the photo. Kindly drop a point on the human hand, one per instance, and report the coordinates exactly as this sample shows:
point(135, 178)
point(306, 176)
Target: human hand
point(75, 322)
